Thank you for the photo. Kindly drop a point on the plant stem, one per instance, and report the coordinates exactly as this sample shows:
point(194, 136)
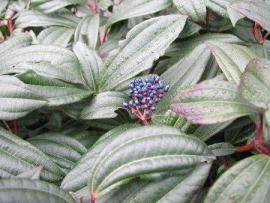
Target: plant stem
point(94, 7)
point(15, 123)
point(93, 198)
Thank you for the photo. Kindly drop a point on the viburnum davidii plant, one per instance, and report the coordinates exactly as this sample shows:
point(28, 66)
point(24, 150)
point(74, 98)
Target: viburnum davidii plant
point(124, 101)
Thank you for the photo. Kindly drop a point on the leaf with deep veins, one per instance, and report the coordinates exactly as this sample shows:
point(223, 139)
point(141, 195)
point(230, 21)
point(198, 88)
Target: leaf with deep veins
point(247, 181)
point(144, 44)
point(257, 11)
point(141, 151)
point(255, 83)
point(212, 101)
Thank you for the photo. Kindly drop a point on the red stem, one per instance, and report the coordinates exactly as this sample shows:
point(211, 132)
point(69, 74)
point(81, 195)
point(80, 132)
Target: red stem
point(94, 7)
point(15, 123)
point(249, 146)
point(93, 198)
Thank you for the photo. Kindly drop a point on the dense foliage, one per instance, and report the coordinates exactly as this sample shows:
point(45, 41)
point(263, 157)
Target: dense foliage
point(134, 101)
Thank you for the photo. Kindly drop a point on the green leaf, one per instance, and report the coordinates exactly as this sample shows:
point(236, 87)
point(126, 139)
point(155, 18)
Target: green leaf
point(231, 58)
point(46, 60)
point(104, 4)
point(212, 101)
point(29, 191)
point(138, 152)
point(184, 47)
point(254, 10)
point(55, 91)
point(77, 178)
point(16, 42)
point(195, 10)
point(143, 44)
point(17, 99)
point(179, 188)
point(63, 150)
point(92, 32)
point(19, 156)
point(56, 35)
point(171, 119)
point(87, 31)
point(32, 18)
point(51, 6)
point(32, 173)
point(131, 8)
point(87, 138)
point(204, 132)
point(218, 6)
point(247, 181)
point(189, 30)
point(184, 73)
point(123, 193)
point(90, 63)
point(222, 149)
point(255, 83)
point(234, 15)
point(104, 105)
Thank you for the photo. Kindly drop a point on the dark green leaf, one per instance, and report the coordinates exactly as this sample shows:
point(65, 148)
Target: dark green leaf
point(104, 105)
point(18, 156)
point(247, 181)
point(32, 173)
point(46, 60)
point(91, 63)
point(204, 132)
point(142, 151)
point(143, 44)
point(63, 150)
point(17, 99)
point(55, 91)
point(131, 8)
point(184, 73)
point(222, 149)
point(31, 191)
point(77, 178)
point(175, 189)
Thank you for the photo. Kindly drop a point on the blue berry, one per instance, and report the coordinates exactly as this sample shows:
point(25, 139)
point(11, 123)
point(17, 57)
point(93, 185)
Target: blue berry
point(144, 94)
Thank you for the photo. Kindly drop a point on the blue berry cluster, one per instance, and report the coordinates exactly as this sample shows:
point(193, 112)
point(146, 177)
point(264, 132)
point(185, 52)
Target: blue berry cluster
point(144, 94)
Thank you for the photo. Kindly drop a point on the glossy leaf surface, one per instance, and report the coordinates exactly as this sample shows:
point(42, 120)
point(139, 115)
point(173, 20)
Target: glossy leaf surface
point(143, 44)
point(90, 63)
point(63, 150)
point(49, 61)
point(55, 91)
point(31, 191)
point(77, 178)
point(138, 152)
point(24, 98)
point(18, 156)
point(104, 105)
